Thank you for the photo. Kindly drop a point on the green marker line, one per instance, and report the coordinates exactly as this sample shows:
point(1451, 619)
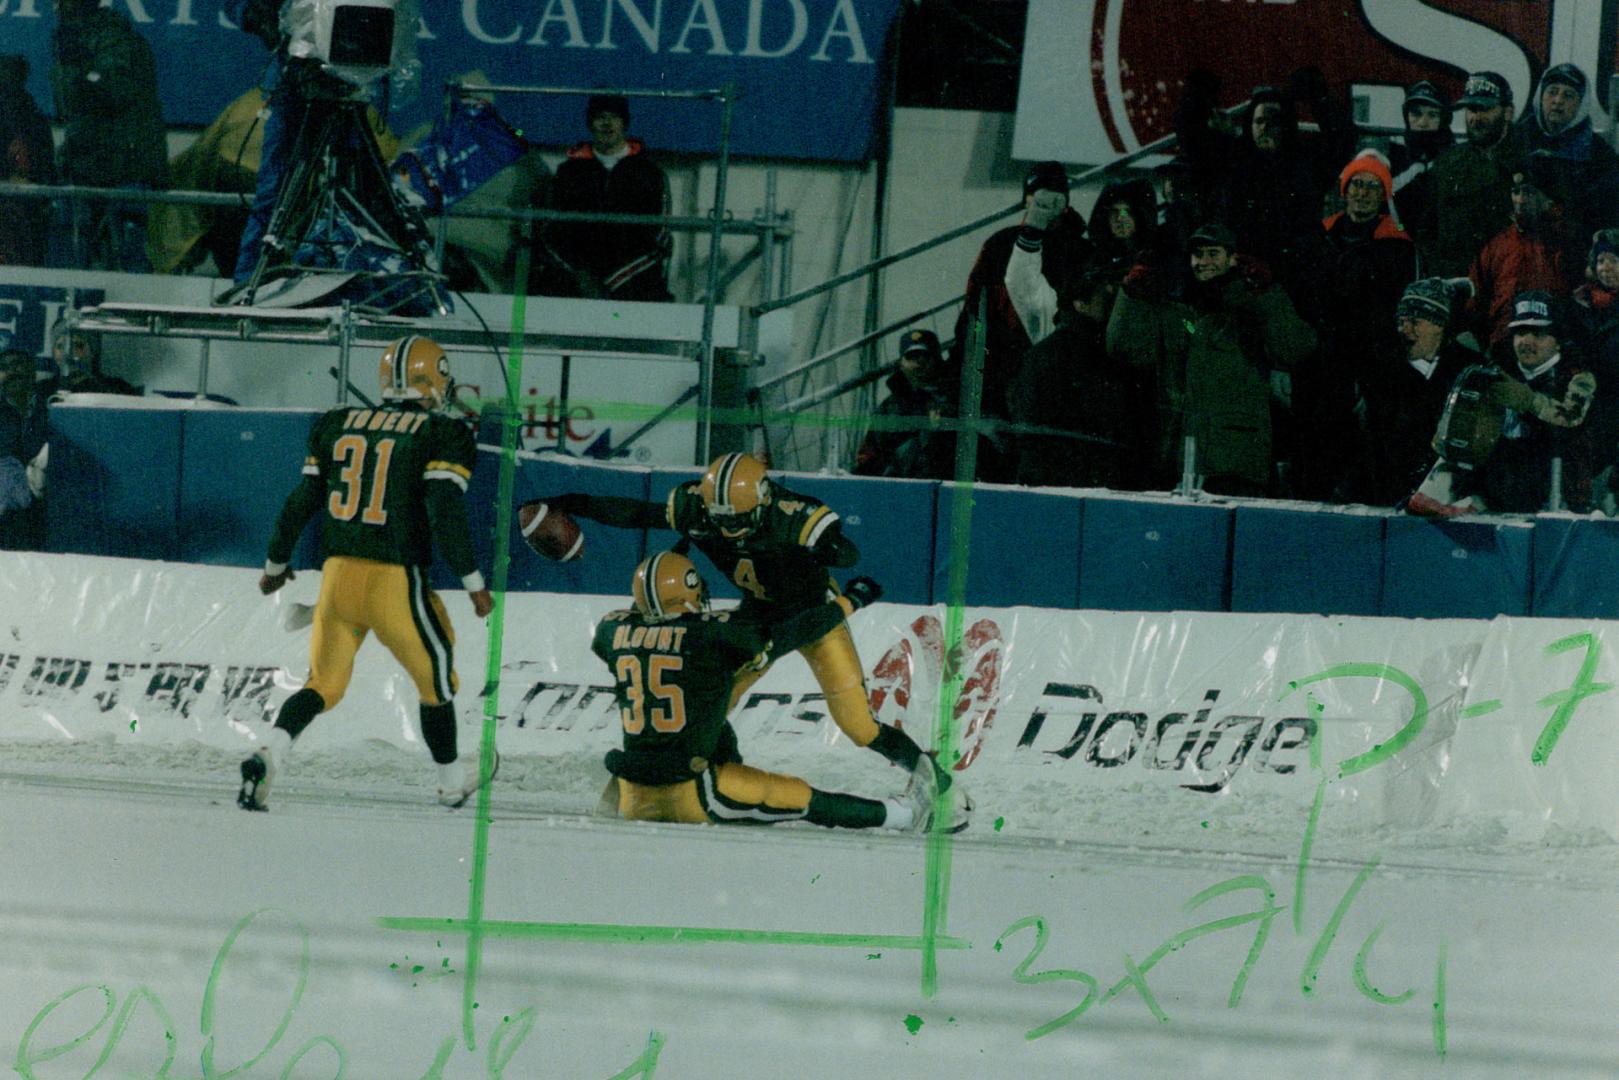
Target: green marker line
point(1564, 702)
point(1318, 955)
point(497, 636)
point(1364, 984)
point(1481, 709)
point(623, 934)
point(1439, 1037)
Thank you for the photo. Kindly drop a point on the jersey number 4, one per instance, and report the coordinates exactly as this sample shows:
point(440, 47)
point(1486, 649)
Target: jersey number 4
point(350, 454)
point(638, 684)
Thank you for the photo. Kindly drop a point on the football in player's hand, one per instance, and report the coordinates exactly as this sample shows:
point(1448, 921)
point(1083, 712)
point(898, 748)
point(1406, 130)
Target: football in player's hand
point(550, 532)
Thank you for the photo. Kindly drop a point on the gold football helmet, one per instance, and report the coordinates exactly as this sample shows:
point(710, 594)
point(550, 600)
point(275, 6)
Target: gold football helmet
point(668, 584)
point(735, 492)
point(415, 368)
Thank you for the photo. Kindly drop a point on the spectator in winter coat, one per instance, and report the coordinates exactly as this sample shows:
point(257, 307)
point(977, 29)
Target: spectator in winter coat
point(1209, 346)
point(105, 80)
point(610, 173)
point(1427, 135)
point(904, 439)
point(1371, 261)
point(1472, 182)
point(26, 151)
point(1006, 339)
point(1560, 124)
point(1123, 225)
point(1067, 383)
point(22, 440)
point(1405, 387)
point(1535, 252)
point(1596, 319)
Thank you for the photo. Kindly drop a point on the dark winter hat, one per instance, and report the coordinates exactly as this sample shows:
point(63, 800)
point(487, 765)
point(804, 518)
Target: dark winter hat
point(607, 103)
point(1547, 174)
point(1485, 90)
point(1603, 242)
point(1425, 93)
point(1432, 298)
point(1213, 234)
point(922, 341)
point(1046, 176)
point(1534, 310)
point(1568, 75)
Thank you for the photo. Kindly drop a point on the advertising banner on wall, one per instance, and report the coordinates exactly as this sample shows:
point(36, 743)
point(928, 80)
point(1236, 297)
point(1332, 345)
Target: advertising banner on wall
point(1418, 723)
point(1102, 78)
point(809, 70)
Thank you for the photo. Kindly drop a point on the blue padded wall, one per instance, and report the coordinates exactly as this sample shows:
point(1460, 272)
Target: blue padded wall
point(1023, 548)
point(1306, 561)
point(236, 468)
point(114, 482)
point(1576, 563)
point(1455, 569)
point(1140, 555)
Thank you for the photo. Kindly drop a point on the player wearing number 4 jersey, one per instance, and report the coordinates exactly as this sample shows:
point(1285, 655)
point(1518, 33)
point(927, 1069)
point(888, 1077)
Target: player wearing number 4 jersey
point(388, 483)
point(778, 546)
point(673, 663)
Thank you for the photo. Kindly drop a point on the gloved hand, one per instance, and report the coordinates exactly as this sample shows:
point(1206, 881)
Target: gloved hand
point(1144, 282)
point(1041, 217)
point(1511, 394)
point(862, 592)
point(1571, 411)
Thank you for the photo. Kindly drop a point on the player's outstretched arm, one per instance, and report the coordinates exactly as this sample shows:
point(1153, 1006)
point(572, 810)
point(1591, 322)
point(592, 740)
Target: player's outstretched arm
point(609, 510)
point(300, 506)
point(812, 624)
point(447, 517)
point(832, 548)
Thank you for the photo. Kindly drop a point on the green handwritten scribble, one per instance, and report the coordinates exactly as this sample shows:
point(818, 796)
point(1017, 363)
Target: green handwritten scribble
point(207, 1017)
point(617, 934)
point(28, 1057)
point(318, 1040)
point(874, 956)
point(1304, 852)
point(1364, 985)
point(1264, 916)
point(501, 559)
point(1483, 708)
point(913, 1023)
point(513, 1030)
point(1439, 1037)
point(1020, 974)
point(1323, 944)
point(1388, 673)
point(647, 1064)
point(1566, 701)
point(1000, 823)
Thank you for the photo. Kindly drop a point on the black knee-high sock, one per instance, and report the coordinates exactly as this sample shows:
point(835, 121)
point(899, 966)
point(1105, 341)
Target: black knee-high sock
point(438, 731)
point(834, 810)
point(896, 746)
point(298, 710)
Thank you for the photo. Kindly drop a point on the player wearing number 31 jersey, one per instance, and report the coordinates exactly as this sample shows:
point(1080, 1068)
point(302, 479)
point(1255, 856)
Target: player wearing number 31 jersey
point(778, 546)
point(673, 663)
point(387, 483)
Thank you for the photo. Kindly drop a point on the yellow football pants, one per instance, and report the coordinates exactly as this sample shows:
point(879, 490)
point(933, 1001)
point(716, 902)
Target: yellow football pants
point(359, 596)
point(729, 794)
point(836, 666)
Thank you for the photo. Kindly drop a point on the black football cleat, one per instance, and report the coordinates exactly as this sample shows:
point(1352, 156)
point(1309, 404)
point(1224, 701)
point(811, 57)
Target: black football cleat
point(255, 790)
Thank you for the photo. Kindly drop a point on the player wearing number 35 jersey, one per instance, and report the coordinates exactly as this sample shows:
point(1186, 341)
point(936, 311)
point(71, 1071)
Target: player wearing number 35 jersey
point(387, 483)
point(673, 663)
point(778, 546)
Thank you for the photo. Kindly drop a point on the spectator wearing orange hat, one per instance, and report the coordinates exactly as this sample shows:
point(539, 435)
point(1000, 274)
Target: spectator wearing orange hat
point(1370, 260)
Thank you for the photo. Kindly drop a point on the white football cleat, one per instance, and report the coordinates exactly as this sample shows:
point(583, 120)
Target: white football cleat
point(455, 787)
point(922, 790)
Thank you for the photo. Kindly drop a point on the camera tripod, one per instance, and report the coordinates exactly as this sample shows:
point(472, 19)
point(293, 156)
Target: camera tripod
point(336, 199)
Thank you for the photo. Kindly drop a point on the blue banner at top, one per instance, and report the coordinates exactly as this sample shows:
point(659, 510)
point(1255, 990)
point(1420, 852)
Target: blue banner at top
point(811, 72)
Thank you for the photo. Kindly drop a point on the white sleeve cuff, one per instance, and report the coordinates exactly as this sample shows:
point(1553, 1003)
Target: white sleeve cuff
point(473, 582)
point(274, 569)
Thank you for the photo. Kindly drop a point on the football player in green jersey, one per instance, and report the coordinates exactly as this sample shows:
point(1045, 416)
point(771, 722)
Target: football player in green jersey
point(388, 483)
point(778, 546)
point(673, 663)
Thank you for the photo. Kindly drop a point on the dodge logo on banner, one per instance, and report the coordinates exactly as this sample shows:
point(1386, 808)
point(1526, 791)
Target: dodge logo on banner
point(1102, 77)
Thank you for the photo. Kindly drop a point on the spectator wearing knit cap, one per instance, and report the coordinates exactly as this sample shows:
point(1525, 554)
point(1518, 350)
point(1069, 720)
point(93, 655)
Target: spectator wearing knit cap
point(1427, 114)
point(1407, 379)
point(1370, 262)
point(905, 439)
point(610, 173)
point(1472, 182)
point(1050, 230)
point(1596, 323)
point(1536, 251)
point(1560, 124)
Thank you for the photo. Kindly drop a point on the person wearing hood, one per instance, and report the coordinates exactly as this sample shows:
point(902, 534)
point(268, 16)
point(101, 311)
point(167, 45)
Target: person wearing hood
point(1209, 344)
point(26, 149)
point(1123, 224)
point(1535, 252)
point(1596, 324)
point(1560, 124)
point(609, 173)
point(904, 439)
point(1472, 181)
point(1062, 248)
point(1427, 135)
point(1371, 261)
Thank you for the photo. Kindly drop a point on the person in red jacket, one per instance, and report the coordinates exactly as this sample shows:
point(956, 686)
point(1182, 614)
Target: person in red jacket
point(1534, 253)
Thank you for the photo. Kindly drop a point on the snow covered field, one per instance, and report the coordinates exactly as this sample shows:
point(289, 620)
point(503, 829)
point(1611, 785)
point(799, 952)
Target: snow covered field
point(149, 927)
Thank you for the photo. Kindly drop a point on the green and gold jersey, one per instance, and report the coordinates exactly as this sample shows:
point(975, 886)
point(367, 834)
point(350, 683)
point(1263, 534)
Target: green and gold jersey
point(673, 680)
point(775, 565)
point(370, 473)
